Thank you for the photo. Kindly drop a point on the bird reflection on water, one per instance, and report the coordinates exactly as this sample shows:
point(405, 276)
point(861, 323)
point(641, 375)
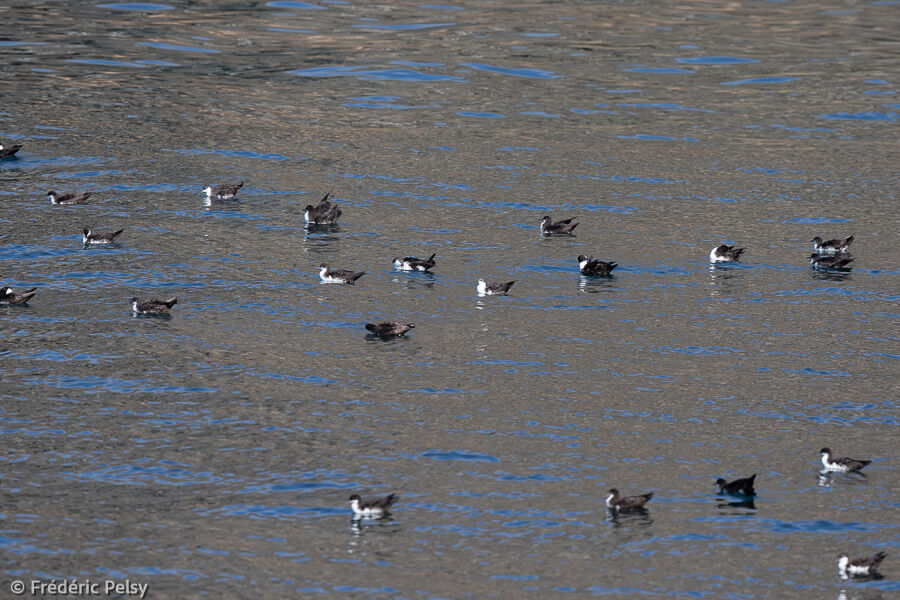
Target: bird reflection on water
point(635, 517)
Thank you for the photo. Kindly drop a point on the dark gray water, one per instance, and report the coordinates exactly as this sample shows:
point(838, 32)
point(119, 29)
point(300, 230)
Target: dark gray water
point(211, 454)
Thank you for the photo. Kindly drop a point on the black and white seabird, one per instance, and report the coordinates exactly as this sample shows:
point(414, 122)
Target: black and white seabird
point(388, 328)
point(493, 289)
point(328, 275)
point(411, 263)
point(371, 508)
point(89, 237)
point(152, 306)
point(7, 151)
point(828, 262)
point(588, 265)
point(10, 296)
point(725, 253)
point(70, 198)
point(223, 191)
point(738, 487)
point(835, 246)
point(324, 213)
point(859, 567)
point(844, 465)
point(616, 502)
point(564, 226)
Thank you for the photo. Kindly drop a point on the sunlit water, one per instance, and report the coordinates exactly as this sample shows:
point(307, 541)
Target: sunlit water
point(211, 453)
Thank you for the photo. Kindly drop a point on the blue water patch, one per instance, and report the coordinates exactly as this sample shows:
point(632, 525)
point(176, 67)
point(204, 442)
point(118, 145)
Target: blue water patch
point(241, 153)
point(460, 455)
point(662, 70)
point(863, 116)
point(816, 220)
point(405, 27)
point(373, 74)
point(56, 356)
point(540, 35)
point(483, 115)
point(136, 474)
point(105, 63)
point(179, 48)
point(525, 72)
point(112, 384)
point(294, 4)
point(715, 60)
point(761, 80)
point(136, 6)
point(16, 43)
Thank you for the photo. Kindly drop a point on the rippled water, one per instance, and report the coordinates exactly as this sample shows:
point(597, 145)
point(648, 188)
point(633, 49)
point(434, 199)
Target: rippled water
point(210, 454)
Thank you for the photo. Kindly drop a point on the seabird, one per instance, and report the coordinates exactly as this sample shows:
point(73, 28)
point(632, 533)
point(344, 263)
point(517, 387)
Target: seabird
point(371, 508)
point(7, 151)
point(324, 213)
point(616, 502)
point(828, 262)
point(328, 275)
point(841, 464)
point(411, 263)
point(70, 198)
point(738, 487)
point(564, 226)
point(10, 296)
point(588, 265)
point(223, 191)
point(152, 306)
point(89, 237)
point(859, 567)
point(725, 253)
point(831, 246)
point(493, 289)
point(389, 328)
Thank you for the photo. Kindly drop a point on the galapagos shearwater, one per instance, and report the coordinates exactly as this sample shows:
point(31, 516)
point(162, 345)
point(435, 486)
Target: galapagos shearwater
point(725, 253)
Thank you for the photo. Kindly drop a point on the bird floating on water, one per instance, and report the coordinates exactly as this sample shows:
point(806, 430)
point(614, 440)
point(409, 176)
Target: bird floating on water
point(588, 265)
point(223, 191)
point(69, 198)
point(324, 213)
point(389, 328)
point(859, 567)
point(616, 502)
point(329, 275)
point(725, 253)
point(559, 227)
point(843, 465)
point(738, 487)
point(152, 306)
point(10, 296)
point(89, 237)
point(835, 246)
point(371, 508)
point(411, 263)
point(8, 151)
point(493, 289)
